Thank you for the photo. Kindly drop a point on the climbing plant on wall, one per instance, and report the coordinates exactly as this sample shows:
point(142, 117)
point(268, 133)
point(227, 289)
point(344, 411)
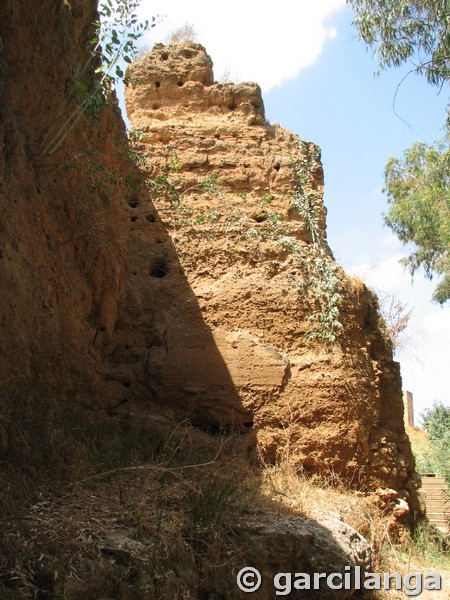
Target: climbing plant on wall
point(321, 268)
point(112, 45)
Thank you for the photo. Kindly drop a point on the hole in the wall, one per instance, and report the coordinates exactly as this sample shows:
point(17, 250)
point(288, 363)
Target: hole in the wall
point(180, 83)
point(277, 166)
point(155, 106)
point(187, 53)
point(133, 203)
point(126, 384)
point(133, 219)
point(232, 106)
point(156, 342)
point(217, 136)
point(164, 55)
point(150, 218)
point(261, 217)
point(157, 84)
point(159, 268)
point(248, 424)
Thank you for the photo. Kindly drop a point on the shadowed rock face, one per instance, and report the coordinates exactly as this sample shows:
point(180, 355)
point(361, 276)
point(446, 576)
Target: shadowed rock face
point(302, 546)
point(320, 406)
point(60, 277)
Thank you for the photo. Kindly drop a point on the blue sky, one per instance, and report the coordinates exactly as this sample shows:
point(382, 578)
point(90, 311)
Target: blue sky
point(318, 81)
point(342, 106)
point(339, 104)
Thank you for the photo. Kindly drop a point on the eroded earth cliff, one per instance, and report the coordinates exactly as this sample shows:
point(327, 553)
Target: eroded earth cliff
point(198, 295)
point(62, 186)
point(242, 329)
point(182, 289)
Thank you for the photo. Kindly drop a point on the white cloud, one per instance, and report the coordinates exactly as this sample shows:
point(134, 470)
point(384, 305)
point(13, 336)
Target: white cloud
point(387, 275)
point(425, 364)
point(256, 41)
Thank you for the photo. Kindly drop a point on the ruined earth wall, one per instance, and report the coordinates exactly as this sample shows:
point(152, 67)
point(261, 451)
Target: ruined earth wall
point(61, 192)
point(245, 254)
point(196, 304)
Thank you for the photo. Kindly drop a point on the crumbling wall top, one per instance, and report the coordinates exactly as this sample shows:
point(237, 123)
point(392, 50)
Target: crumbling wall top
point(175, 64)
point(178, 78)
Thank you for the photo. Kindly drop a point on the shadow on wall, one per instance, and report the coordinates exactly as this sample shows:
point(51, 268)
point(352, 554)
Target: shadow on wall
point(163, 353)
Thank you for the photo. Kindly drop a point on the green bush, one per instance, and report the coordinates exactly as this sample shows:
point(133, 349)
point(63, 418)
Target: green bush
point(431, 544)
point(434, 455)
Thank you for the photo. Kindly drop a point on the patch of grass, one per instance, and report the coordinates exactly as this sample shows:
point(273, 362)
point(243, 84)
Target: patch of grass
point(73, 487)
point(431, 546)
point(158, 513)
point(423, 550)
point(48, 444)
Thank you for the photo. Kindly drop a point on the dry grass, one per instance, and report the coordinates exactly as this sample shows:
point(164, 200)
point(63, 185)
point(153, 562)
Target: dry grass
point(124, 513)
point(128, 513)
point(393, 551)
point(311, 495)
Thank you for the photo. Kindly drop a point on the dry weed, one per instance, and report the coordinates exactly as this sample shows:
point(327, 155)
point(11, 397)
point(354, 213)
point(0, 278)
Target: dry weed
point(295, 491)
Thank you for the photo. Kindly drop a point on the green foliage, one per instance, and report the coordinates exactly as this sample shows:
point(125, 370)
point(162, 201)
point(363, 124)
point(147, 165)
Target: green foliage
point(112, 45)
point(436, 422)
point(325, 323)
point(305, 197)
point(431, 544)
point(417, 186)
point(210, 183)
point(208, 217)
point(433, 454)
point(419, 213)
point(432, 458)
point(407, 29)
point(118, 30)
point(322, 270)
point(169, 185)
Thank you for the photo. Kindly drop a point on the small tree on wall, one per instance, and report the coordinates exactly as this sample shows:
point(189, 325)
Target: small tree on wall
point(182, 34)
